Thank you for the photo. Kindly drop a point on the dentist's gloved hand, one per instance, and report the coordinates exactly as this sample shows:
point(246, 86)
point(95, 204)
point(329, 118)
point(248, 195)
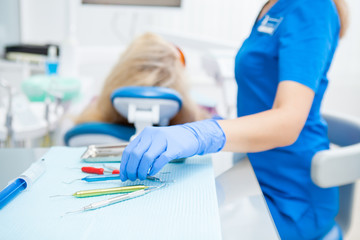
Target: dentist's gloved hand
point(156, 146)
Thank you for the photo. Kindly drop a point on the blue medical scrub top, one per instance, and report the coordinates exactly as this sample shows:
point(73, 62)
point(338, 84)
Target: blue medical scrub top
point(294, 41)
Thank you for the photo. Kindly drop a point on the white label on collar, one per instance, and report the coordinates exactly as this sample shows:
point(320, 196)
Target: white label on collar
point(269, 25)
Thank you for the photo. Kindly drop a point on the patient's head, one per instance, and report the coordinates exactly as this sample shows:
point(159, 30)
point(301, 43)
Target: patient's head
point(148, 61)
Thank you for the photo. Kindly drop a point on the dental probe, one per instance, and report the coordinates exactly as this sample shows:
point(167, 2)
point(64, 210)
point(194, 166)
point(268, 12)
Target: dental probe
point(110, 201)
point(106, 191)
point(117, 199)
point(109, 177)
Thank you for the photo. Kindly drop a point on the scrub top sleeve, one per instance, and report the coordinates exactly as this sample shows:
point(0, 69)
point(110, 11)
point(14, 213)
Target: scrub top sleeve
point(306, 42)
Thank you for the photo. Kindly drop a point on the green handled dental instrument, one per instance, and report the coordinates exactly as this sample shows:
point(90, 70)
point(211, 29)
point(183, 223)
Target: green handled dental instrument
point(117, 199)
point(106, 191)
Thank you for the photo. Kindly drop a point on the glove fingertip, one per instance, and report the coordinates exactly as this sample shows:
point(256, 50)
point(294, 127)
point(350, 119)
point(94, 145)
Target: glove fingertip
point(122, 170)
point(122, 178)
point(141, 176)
point(156, 168)
point(154, 171)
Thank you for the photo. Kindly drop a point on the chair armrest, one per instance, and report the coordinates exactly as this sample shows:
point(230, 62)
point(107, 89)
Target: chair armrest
point(336, 167)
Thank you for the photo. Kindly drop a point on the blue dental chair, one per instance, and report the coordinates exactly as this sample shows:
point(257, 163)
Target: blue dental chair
point(142, 106)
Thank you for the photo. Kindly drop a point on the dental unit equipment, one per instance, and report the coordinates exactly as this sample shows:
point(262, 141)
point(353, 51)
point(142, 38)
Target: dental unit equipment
point(9, 117)
point(51, 69)
point(24, 121)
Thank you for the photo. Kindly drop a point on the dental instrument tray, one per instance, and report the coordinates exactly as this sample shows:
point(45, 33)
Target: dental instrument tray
point(109, 153)
point(104, 153)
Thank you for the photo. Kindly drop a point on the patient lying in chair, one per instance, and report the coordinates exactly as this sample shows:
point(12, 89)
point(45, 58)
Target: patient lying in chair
point(148, 61)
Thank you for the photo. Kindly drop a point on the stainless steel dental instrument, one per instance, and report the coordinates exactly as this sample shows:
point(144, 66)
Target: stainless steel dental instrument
point(106, 191)
point(109, 153)
point(104, 153)
point(116, 199)
point(108, 177)
point(151, 178)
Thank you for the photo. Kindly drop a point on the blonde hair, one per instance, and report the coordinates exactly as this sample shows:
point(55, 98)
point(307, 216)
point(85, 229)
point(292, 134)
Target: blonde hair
point(148, 61)
point(343, 12)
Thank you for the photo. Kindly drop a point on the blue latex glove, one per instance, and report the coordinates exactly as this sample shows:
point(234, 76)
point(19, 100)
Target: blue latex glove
point(156, 146)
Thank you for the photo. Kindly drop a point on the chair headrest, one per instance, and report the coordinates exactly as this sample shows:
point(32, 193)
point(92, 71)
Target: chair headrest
point(117, 131)
point(147, 92)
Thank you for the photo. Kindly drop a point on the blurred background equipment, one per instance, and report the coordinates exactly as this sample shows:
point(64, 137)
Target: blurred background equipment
point(90, 35)
point(165, 3)
point(36, 54)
